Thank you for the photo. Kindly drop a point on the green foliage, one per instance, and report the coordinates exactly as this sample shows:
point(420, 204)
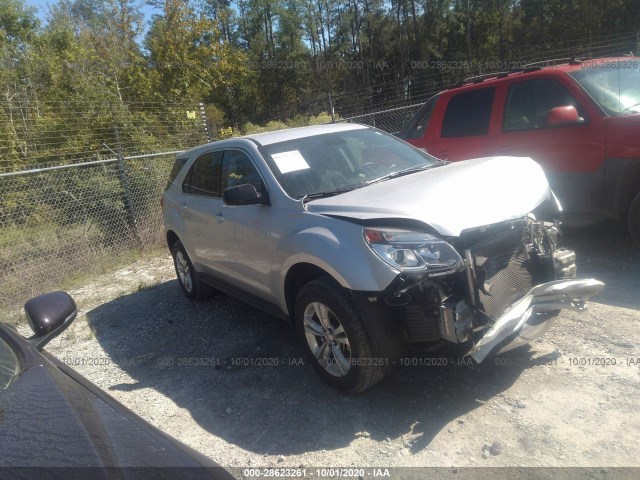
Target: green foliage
point(256, 61)
point(65, 86)
point(299, 120)
point(250, 128)
point(18, 23)
point(189, 52)
point(321, 118)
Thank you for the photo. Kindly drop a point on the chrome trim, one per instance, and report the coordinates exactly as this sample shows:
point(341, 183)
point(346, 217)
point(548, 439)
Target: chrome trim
point(523, 321)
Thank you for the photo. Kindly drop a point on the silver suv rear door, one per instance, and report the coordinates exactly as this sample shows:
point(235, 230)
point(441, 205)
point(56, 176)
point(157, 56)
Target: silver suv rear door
point(207, 235)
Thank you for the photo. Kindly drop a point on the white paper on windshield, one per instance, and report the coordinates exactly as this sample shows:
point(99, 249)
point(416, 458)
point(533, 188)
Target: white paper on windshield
point(290, 161)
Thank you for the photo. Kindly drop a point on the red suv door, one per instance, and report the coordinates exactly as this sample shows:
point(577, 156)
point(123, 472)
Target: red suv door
point(570, 153)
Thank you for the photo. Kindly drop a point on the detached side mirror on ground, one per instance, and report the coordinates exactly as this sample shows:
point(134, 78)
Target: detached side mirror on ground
point(49, 315)
point(563, 116)
point(244, 194)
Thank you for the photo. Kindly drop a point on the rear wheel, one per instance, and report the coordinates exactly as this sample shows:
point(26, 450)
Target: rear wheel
point(335, 338)
point(190, 282)
point(634, 220)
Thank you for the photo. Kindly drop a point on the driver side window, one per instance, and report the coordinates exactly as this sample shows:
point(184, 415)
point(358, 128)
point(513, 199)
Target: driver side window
point(529, 103)
point(238, 169)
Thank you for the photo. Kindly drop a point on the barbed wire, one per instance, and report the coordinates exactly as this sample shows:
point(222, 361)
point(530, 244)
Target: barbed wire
point(43, 133)
point(425, 81)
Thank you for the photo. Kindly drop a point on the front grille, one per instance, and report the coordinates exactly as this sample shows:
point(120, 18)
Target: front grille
point(503, 270)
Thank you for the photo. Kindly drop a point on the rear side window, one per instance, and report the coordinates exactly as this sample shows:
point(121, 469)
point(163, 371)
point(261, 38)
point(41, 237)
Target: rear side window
point(175, 170)
point(417, 126)
point(529, 103)
point(204, 176)
point(468, 114)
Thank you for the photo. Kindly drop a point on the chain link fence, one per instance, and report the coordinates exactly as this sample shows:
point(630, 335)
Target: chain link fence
point(391, 120)
point(59, 223)
point(79, 194)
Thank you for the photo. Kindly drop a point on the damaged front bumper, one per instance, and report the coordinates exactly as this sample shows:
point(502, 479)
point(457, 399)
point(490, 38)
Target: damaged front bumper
point(531, 316)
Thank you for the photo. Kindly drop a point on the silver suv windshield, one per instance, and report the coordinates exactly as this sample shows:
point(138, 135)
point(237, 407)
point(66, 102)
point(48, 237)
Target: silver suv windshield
point(342, 161)
point(614, 85)
point(9, 366)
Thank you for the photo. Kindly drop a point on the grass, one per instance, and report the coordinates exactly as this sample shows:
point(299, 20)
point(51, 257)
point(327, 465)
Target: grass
point(65, 265)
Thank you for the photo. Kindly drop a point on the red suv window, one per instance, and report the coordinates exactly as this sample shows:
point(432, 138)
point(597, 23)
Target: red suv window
point(529, 102)
point(468, 113)
point(418, 123)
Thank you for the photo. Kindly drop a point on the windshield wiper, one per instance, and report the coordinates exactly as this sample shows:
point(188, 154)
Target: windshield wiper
point(402, 173)
point(330, 193)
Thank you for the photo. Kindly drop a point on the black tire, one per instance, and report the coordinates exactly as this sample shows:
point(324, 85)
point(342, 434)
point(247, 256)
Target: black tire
point(365, 368)
point(633, 220)
point(196, 289)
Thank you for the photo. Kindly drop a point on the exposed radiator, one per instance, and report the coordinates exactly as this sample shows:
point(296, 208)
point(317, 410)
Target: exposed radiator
point(503, 270)
point(421, 327)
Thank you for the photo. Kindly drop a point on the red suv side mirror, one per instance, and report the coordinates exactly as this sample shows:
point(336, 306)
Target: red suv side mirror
point(561, 116)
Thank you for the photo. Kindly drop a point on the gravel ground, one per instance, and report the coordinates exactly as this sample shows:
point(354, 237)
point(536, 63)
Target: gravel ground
point(548, 405)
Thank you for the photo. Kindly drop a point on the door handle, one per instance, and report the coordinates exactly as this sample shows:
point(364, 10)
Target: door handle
point(220, 216)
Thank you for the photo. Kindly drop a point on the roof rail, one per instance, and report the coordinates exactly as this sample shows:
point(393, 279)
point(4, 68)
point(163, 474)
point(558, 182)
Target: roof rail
point(555, 61)
point(529, 67)
point(485, 76)
point(500, 74)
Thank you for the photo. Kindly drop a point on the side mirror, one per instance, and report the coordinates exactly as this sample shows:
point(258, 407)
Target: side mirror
point(244, 194)
point(49, 315)
point(563, 116)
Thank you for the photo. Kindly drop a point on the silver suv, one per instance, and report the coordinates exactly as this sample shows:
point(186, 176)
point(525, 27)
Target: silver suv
point(370, 247)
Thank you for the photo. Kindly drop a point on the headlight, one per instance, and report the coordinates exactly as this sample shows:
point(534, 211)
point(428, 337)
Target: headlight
point(413, 251)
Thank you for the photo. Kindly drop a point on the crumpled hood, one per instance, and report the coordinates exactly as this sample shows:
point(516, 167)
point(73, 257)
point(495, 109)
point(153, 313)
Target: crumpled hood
point(452, 198)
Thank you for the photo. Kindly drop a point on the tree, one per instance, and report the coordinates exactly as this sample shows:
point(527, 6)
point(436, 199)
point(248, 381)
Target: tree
point(189, 52)
point(18, 28)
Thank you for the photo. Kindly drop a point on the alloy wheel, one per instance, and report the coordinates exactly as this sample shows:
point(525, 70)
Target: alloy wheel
point(327, 339)
point(184, 272)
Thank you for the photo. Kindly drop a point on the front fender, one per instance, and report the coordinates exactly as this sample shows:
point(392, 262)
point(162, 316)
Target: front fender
point(342, 252)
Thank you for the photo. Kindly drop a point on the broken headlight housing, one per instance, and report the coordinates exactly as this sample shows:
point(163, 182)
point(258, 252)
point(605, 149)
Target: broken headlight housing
point(412, 251)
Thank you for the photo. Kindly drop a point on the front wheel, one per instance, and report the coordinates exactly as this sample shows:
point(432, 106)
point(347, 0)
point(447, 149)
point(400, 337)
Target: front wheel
point(634, 220)
point(335, 338)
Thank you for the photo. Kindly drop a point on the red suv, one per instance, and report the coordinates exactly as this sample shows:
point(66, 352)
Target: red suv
point(579, 120)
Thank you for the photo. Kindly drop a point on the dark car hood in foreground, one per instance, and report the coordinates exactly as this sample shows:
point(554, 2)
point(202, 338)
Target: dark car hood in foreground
point(52, 419)
point(452, 198)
